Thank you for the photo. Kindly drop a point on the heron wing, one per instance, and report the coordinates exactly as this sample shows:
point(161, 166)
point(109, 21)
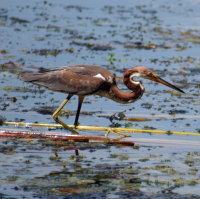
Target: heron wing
point(73, 80)
point(89, 70)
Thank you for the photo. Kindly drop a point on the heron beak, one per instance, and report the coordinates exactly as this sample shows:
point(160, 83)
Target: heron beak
point(156, 78)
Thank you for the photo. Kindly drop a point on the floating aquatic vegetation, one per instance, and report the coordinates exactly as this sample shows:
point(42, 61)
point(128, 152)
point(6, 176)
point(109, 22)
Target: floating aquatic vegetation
point(112, 59)
point(3, 51)
point(49, 27)
point(12, 67)
point(94, 46)
point(19, 20)
point(53, 52)
point(149, 46)
point(18, 89)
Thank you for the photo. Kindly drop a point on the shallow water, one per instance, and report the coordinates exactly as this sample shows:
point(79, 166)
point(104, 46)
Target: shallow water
point(116, 35)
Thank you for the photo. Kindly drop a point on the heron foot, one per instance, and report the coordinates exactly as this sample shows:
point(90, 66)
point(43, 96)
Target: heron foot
point(55, 117)
point(124, 135)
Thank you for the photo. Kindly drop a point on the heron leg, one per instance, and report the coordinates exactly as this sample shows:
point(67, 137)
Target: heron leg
point(80, 101)
point(57, 119)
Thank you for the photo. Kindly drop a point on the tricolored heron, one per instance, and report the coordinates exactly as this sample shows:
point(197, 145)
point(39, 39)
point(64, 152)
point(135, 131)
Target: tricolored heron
point(84, 80)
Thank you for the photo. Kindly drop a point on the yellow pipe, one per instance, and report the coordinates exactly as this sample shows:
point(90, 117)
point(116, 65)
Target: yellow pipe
point(95, 128)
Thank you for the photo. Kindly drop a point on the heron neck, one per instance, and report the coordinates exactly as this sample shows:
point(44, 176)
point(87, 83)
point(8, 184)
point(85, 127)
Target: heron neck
point(125, 97)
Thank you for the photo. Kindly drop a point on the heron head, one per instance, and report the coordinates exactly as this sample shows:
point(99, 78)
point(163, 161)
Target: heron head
point(146, 73)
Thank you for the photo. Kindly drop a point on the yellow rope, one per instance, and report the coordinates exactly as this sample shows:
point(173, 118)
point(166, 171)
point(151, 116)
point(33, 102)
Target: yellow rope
point(95, 128)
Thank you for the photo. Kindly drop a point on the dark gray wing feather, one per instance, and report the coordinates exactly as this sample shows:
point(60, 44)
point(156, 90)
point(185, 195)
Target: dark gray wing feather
point(72, 80)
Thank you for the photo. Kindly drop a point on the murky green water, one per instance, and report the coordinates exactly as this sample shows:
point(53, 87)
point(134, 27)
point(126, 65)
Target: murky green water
point(117, 35)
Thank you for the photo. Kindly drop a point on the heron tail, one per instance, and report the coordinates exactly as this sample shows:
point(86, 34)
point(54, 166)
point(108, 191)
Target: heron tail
point(30, 76)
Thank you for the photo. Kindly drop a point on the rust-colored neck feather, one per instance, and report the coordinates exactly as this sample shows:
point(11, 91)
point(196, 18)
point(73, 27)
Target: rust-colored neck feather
point(124, 97)
point(136, 88)
point(114, 93)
